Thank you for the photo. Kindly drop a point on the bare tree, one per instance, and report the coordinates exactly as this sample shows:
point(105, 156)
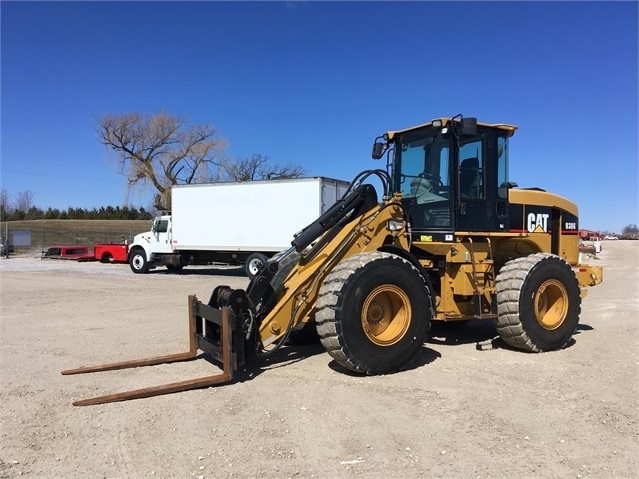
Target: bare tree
point(5, 205)
point(160, 151)
point(256, 167)
point(24, 201)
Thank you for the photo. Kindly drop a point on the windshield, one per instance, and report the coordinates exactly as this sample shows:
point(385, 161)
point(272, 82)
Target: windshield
point(422, 157)
point(422, 174)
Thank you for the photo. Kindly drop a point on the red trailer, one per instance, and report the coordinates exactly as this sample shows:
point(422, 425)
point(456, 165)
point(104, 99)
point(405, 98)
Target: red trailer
point(111, 252)
point(73, 252)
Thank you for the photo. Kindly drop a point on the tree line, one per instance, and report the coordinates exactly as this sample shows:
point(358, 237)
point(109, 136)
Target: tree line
point(102, 213)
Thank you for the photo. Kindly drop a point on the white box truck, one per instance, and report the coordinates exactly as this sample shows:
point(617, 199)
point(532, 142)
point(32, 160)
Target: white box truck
point(232, 223)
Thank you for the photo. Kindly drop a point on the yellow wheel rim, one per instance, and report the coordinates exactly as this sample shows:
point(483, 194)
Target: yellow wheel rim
point(386, 315)
point(551, 304)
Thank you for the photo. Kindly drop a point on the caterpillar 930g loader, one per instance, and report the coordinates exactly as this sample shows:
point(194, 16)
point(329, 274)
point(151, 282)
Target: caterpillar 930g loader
point(450, 239)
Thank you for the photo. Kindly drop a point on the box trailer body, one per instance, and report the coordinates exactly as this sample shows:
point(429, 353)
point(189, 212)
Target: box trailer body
point(232, 223)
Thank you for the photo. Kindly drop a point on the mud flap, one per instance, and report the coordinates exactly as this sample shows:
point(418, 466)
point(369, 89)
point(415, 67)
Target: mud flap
point(227, 347)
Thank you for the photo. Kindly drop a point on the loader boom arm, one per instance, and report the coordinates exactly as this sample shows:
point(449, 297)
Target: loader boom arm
point(367, 228)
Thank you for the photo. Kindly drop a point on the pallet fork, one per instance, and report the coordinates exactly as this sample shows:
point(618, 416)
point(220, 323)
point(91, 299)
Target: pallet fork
point(210, 330)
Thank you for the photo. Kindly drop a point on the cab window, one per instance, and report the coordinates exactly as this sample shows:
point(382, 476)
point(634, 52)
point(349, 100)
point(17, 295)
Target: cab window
point(161, 226)
point(502, 167)
point(471, 170)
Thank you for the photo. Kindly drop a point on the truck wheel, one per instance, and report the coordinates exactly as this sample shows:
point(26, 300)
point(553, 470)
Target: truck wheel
point(538, 303)
point(106, 258)
point(138, 262)
point(373, 313)
point(254, 264)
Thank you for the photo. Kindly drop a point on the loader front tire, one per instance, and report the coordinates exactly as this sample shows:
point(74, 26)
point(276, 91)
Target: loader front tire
point(538, 303)
point(373, 313)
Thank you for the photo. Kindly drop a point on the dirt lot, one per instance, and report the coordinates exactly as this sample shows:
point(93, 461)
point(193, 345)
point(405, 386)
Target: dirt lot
point(458, 412)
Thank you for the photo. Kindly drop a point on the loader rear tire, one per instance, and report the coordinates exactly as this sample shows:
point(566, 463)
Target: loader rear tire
point(538, 303)
point(373, 313)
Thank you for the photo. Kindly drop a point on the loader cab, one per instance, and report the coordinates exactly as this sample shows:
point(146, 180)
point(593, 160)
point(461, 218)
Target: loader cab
point(453, 175)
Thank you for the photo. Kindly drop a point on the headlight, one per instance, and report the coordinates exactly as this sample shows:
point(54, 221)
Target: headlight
point(396, 225)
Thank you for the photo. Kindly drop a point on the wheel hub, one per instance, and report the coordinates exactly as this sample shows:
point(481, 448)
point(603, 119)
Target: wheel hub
point(386, 315)
point(551, 304)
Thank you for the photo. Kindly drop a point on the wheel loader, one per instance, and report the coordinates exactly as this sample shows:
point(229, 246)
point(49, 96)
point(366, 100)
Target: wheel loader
point(439, 234)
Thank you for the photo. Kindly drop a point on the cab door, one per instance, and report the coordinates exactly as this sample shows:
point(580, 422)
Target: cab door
point(472, 212)
point(162, 236)
point(482, 183)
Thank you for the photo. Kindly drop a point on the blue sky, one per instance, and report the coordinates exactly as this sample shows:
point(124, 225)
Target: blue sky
point(313, 83)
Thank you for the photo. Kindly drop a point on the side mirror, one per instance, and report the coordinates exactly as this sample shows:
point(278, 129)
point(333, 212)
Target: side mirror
point(469, 126)
point(378, 150)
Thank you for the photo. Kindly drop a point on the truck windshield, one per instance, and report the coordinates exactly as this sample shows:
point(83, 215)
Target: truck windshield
point(422, 174)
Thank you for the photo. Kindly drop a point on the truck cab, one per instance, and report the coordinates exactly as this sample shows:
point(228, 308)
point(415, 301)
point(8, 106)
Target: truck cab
point(148, 248)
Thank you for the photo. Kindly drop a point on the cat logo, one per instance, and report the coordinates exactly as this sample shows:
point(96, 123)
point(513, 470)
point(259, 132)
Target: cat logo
point(538, 222)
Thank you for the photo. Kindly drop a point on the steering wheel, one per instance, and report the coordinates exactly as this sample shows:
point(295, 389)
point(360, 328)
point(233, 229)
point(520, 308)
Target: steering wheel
point(434, 179)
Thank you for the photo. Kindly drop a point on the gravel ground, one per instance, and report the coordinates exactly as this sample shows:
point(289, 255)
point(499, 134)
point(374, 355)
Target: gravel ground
point(459, 412)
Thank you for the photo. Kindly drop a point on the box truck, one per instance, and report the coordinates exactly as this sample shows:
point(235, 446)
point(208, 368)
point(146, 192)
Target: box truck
point(232, 223)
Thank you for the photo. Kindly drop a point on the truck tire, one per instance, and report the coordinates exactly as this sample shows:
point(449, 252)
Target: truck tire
point(538, 303)
point(373, 313)
point(106, 258)
point(254, 263)
point(138, 262)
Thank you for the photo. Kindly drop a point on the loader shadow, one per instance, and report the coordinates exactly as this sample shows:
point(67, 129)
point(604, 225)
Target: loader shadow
point(282, 357)
point(425, 356)
point(461, 332)
point(583, 327)
point(480, 332)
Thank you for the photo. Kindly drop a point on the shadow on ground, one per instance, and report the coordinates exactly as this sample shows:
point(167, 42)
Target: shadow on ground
point(233, 271)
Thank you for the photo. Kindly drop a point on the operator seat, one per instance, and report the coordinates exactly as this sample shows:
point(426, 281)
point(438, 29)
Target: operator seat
point(469, 178)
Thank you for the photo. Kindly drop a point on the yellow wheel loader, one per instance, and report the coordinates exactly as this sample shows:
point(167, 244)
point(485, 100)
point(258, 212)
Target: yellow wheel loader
point(443, 235)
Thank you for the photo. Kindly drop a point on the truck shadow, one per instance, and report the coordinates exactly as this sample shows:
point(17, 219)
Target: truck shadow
point(228, 271)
